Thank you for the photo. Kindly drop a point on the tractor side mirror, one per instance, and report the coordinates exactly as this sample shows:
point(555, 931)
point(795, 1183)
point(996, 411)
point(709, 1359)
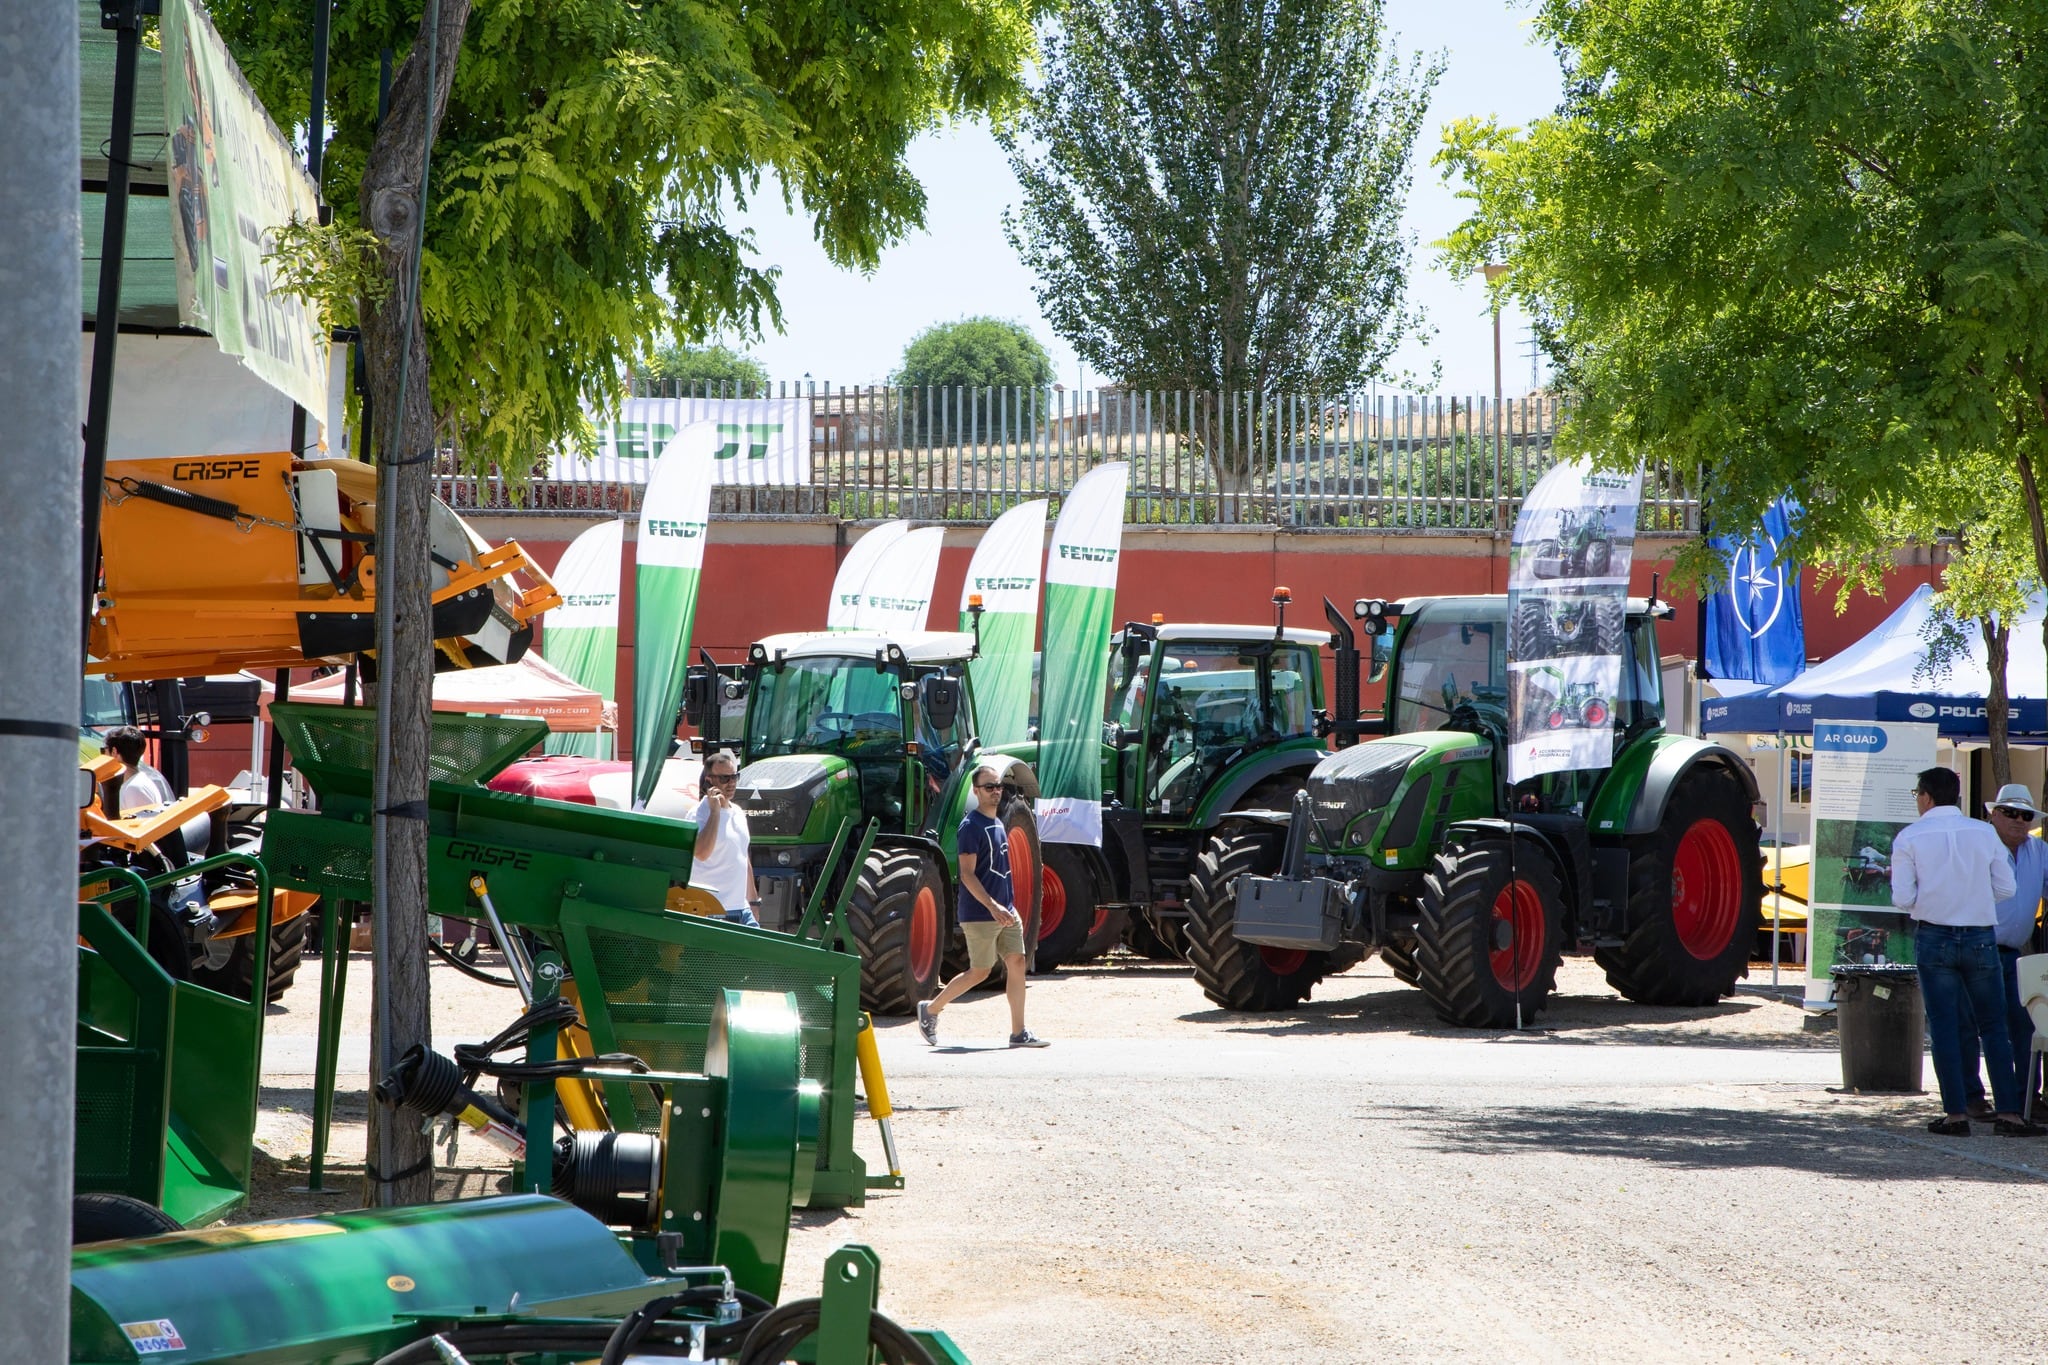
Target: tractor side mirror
point(941, 701)
point(1382, 652)
point(697, 695)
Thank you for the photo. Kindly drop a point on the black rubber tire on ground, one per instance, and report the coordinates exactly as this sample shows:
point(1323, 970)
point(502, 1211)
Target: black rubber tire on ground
point(1108, 931)
point(1468, 959)
point(117, 1218)
point(1068, 913)
point(900, 917)
point(1694, 908)
point(1237, 975)
point(1141, 936)
point(1529, 632)
point(236, 975)
point(1400, 960)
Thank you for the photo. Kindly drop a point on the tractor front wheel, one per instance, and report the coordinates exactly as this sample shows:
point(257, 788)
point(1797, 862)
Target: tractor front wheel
point(1235, 974)
point(899, 918)
point(237, 976)
point(1067, 913)
point(1695, 898)
point(1491, 933)
point(1400, 960)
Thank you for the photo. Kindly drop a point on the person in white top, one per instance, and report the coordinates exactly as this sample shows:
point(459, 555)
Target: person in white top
point(2012, 814)
point(1949, 872)
point(719, 863)
point(142, 787)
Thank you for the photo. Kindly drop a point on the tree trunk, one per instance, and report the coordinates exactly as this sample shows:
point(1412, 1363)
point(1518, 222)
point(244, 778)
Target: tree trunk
point(1997, 650)
point(2037, 524)
point(395, 358)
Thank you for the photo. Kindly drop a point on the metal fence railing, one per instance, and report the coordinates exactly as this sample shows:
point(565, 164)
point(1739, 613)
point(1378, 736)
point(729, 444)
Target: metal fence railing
point(1376, 461)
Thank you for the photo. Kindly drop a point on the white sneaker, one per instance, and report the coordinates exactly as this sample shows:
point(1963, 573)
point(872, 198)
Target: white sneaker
point(927, 1023)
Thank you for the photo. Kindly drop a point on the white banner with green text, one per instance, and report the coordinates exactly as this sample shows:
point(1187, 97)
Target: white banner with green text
point(1080, 604)
point(1005, 576)
point(897, 597)
point(580, 638)
point(764, 441)
point(673, 521)
point(850, 583)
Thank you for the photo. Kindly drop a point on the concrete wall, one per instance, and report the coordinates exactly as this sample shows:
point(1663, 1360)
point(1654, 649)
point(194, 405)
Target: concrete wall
point(763, 576)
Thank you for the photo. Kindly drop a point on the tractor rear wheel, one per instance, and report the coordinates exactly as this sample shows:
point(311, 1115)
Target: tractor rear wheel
point(900, 920)
point(1067, 910)
point(1235, 974)
point(237, 975)
point(1530, 633)
point(1695, 898)
point(100, 1217)
point(1491, 933)
point(1027, 884)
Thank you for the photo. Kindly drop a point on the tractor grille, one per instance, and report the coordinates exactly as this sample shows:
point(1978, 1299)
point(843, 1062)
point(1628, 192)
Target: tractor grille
point(660, 998)
point(777, 794)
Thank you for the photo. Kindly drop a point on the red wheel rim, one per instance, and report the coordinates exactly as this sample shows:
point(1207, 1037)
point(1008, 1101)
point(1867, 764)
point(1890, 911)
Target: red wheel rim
point(1101, 918)
point(1555, 719)
point(1053, 908)
point(1022, 873)
point(1520, 908)
point(1596, 712)
point(1282, 961)
point(1706, 889)
point(924, 933)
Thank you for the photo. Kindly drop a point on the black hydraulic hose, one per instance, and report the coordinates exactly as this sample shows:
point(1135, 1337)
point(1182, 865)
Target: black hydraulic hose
point(777, 1334)
point(626, 1337)
point(469, 969)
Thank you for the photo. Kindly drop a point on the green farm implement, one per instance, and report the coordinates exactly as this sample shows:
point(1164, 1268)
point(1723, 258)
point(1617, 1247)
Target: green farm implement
point(1412, 844)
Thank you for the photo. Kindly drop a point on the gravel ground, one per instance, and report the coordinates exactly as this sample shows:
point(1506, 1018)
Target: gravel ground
point(1351, 1180)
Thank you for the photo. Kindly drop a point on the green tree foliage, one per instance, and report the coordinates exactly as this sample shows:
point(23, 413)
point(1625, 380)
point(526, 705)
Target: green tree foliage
point(1795, 246)
point(975, 353)
point(708, 369)
point(1212, 192)
point(591, 151)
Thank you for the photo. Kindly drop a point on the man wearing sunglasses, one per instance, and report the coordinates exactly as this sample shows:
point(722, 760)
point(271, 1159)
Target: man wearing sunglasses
point(988, 915)
point(2013, 814)
point(719, 863)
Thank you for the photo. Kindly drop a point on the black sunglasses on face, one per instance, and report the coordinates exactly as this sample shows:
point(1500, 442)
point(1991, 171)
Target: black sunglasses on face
point(2012, 813)
point(988, 786)
point(721, 777)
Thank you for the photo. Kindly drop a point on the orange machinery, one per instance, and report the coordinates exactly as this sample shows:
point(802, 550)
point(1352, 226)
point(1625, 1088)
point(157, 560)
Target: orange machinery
point(218, 563)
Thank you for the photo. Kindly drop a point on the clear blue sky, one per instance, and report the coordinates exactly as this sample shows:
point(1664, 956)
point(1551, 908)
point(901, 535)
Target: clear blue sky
point(850, 329)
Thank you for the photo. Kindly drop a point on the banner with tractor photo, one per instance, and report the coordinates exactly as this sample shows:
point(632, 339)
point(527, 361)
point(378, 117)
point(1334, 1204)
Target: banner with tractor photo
point(1567, 608)
point(1864, 775)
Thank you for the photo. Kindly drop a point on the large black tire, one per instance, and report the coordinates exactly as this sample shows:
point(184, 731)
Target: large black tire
point(237, 975)
point(1482, 948)
point(1400, 960)
point(1695, 898)
point(1141, 936)
point(1068, 911)
point(117, 1218)
point(899, 918)
point(1108, 931)
point(1237, 975)
point(1529, 634)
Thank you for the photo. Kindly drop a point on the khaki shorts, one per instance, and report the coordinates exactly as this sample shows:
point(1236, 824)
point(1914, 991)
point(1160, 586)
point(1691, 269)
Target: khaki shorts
point(989, 939)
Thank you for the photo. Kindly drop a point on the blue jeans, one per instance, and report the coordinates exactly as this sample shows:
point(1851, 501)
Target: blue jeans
point(1959, 983)
point(2019, 1026)
point(741, 914)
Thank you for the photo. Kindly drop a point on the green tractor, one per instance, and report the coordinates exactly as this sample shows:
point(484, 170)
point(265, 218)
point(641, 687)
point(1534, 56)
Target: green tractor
point(1411, 843)
point(854, 726)
point(1202, 722)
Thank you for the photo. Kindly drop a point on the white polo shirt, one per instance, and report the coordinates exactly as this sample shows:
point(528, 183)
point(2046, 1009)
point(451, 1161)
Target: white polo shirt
point(1950, 869)
point(724, 873)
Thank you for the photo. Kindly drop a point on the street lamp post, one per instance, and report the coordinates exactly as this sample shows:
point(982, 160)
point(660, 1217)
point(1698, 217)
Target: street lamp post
point(1493, 274)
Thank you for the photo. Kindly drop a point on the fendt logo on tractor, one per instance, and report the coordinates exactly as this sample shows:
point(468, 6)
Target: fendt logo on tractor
point(207, 471)
point(487, 855)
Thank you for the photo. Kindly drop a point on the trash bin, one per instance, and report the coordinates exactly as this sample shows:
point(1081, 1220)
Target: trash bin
point(1881, 1026)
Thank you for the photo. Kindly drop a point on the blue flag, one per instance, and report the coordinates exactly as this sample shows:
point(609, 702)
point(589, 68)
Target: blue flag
point(1754, 625)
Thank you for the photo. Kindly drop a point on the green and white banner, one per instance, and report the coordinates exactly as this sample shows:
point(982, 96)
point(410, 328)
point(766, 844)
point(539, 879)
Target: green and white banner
point(673, 520)
point(234, 181)
point(897, 597)
point(1006, 573)
point(580, 638)
point(761, 440)
point(1567, 611)
point(1080, 603)
point(851, 581)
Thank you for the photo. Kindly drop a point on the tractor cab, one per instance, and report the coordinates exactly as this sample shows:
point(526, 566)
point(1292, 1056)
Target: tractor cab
point(1188, 703)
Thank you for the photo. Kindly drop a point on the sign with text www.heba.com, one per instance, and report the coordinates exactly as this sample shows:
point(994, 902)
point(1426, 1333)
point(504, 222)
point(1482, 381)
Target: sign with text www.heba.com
point(1864, 774)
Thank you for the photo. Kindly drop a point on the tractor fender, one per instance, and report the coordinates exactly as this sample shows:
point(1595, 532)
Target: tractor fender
point(1241, 779)
point(1673, 757)
point(918, 843)
point(1014, 771)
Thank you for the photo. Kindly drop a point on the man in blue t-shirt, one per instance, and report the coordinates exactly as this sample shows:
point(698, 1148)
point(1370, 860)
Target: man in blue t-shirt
point(987, 913)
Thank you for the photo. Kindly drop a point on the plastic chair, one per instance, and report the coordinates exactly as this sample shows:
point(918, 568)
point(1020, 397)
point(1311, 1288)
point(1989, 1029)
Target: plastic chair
point(2033, 984)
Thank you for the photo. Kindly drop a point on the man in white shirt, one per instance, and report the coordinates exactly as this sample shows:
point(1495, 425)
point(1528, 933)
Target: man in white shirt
point(2013, 813)
point(142, 787)
point(720, 863)
point(1949, 872)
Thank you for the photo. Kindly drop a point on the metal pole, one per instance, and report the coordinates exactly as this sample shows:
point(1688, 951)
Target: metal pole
point(40, 649)
point(124, 17)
